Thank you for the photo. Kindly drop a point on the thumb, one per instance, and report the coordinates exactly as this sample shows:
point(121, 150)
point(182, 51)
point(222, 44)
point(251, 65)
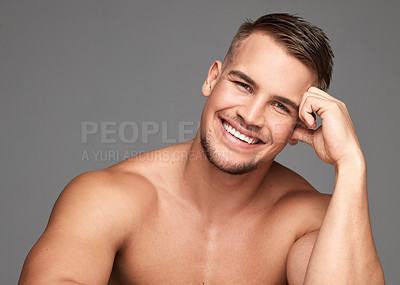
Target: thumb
point(303, 135)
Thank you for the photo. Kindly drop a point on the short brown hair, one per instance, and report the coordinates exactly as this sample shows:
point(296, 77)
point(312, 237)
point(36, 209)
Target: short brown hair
point(301, 39)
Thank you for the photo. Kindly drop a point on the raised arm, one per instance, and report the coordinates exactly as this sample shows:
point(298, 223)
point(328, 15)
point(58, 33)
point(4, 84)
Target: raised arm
point(85, 230)
point(343, 252)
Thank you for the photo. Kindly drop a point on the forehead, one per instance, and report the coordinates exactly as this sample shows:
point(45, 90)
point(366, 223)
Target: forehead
point(270, 66)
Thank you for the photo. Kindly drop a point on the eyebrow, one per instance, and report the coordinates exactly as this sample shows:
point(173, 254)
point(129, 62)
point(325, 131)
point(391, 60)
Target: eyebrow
point(244, 77)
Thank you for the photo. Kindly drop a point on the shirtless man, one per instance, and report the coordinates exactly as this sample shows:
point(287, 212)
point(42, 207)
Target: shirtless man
point(219, 209)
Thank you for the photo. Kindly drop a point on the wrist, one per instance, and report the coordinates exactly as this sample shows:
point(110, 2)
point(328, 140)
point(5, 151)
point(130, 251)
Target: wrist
point(352, 164)
point(352, 176)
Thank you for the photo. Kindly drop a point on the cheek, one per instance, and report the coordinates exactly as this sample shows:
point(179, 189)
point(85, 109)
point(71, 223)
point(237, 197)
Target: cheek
point(224, 96)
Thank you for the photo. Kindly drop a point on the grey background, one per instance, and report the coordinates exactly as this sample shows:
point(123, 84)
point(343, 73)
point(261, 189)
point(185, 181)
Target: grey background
point(67, 62)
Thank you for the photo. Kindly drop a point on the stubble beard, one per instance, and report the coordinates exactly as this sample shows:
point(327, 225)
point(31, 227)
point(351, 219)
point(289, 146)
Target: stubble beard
point(222, 162)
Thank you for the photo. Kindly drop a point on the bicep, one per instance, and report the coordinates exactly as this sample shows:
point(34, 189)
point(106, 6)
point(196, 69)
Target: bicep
point(80, 240)
point(56, 258)
point(299, 257)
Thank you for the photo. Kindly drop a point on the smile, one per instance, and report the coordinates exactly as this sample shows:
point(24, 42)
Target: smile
point(238, 135)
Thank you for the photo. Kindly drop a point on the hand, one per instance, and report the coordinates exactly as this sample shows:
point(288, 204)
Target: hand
point(335, 141)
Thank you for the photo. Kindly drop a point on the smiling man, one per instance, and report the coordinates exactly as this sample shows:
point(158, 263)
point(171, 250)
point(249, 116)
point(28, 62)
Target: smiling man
point(220, 210)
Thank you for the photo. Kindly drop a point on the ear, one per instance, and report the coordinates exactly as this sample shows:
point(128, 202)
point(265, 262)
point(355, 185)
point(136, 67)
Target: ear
point(213, 74)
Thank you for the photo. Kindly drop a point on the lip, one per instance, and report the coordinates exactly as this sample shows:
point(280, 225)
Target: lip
point(242, 130)
point(233, 140)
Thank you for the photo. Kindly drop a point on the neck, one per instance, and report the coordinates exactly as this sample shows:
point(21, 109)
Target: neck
point(214, 193)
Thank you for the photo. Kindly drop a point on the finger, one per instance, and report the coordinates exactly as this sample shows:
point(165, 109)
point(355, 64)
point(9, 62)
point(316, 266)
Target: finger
point(316, 91)
point(308, 106)
point(314, 116)
point(304, 113)
point(300, 124)
point(303, 135)
point(321, 93)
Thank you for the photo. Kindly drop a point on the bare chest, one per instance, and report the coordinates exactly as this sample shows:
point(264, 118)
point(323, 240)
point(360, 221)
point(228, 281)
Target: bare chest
point(179, 249)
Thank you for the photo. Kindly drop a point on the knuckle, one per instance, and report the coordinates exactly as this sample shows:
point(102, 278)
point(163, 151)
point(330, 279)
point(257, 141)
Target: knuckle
point(335, 105)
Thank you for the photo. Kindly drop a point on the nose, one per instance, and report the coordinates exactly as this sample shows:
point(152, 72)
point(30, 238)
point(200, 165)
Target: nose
point(253, 111)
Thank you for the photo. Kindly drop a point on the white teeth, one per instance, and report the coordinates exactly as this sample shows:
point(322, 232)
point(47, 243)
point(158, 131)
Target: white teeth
point(237, 134)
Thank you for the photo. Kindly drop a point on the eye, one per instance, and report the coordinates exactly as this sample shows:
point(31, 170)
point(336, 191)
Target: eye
point(243, 85)
point(281, 106)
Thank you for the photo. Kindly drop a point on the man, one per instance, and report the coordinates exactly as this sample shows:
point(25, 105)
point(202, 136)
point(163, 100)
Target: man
point(219, 209)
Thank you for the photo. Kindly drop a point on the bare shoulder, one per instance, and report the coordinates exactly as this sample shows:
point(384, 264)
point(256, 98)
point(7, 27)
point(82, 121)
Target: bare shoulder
point(94, 217)
point(288, 179)
point(299, 199)
point(117, 192)
point(113, 184)
point(121, 196)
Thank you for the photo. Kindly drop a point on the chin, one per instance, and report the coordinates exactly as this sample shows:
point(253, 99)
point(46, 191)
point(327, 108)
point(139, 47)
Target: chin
point(222, 162)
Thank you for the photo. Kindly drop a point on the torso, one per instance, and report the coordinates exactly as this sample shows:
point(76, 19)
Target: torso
point(174, 244)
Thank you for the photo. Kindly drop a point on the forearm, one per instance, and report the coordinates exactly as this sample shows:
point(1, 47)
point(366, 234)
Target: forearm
point(344, 252)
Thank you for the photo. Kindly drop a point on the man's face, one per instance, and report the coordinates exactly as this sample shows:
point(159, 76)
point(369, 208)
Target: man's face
point(257, 94)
